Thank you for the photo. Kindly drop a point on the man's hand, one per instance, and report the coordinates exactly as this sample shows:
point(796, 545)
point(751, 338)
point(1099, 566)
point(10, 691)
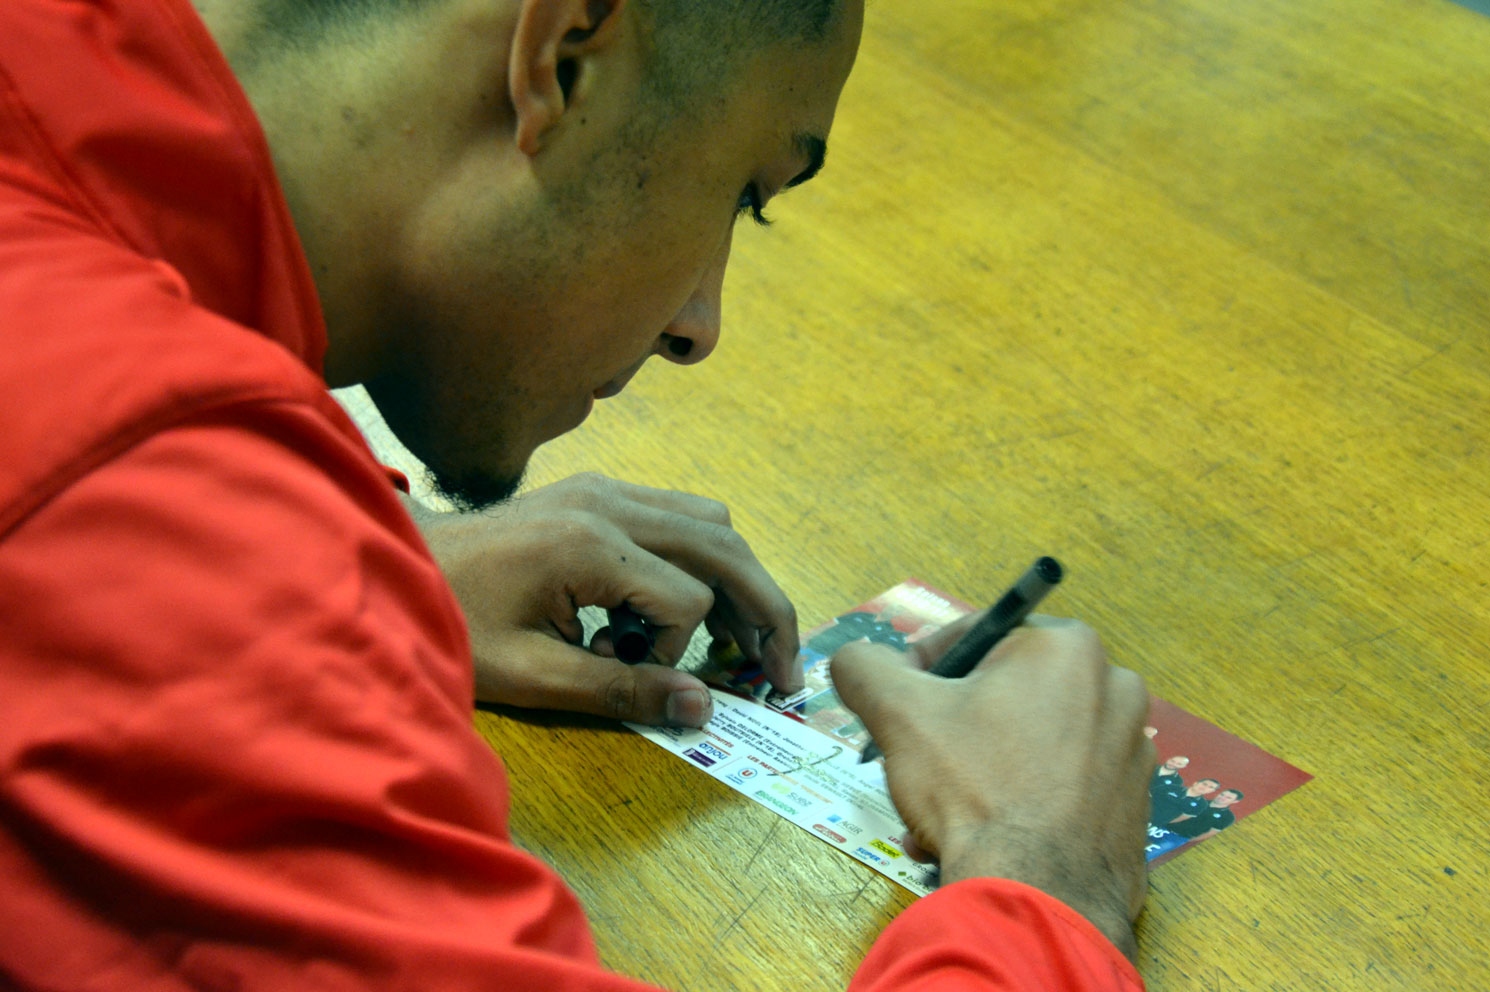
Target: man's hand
point(1034, 767)
point(523, 570)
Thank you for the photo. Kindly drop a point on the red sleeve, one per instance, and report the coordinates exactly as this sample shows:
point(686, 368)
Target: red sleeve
point(237, 748)
point(992, 935)
point(397, 478)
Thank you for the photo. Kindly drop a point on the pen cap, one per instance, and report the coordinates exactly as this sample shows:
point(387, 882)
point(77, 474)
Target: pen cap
point(629, 635)
point(1042, 575)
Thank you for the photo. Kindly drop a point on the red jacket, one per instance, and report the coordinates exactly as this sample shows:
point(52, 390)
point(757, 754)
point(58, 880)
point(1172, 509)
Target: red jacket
point(235, 733)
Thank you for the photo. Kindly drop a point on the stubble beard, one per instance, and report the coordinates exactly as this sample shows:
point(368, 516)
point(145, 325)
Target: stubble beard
point(452, 465)
point(451, 469)
point(472, 490)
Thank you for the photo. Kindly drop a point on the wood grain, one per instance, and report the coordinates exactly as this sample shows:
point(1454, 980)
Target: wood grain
point(1194, 296)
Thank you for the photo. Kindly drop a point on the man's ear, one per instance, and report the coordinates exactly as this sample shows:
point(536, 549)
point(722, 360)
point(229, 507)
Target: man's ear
point(549, 49)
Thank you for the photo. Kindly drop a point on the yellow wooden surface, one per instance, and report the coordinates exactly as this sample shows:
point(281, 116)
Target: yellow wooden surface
point(1193, 295)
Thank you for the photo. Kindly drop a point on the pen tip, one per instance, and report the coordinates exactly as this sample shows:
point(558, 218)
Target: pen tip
point(1049, 569)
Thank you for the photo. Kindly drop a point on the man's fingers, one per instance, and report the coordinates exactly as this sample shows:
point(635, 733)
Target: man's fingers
point(696, 535)
point(672, 602)
point(876, 682)
point(915, 851)
point(719, 631)
point(775, 649)
point(556, 676)
point(676, 560)
point(780, 656)
point(930, 648)
point(612, 497)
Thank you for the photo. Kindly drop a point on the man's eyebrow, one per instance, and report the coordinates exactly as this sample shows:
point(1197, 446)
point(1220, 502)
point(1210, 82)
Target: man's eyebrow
point(813, 148)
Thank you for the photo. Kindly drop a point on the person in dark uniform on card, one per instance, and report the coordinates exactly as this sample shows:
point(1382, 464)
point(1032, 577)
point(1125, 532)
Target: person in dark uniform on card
point(1167, 780)
point(1214, 818)
point(856, 627)
point(1193, 801)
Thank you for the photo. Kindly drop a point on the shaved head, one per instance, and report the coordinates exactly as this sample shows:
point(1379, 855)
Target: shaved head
point(696, 42)
point(695, 39)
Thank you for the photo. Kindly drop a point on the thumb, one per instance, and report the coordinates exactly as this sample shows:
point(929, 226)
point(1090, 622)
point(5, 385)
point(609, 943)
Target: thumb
point(545, 673)
point(879, 684)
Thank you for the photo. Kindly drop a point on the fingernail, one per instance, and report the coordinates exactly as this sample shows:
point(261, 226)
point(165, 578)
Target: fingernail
point(690, 708)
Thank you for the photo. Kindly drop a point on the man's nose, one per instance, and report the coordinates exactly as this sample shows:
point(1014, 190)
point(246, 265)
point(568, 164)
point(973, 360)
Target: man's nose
point(694, 332)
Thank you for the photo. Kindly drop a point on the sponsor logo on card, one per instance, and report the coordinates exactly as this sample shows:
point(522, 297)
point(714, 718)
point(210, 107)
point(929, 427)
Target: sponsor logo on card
point(870, 856)
point(775, 803)
point(718, 754)
point(884, 849)
point(693, 754)
point(829, 833)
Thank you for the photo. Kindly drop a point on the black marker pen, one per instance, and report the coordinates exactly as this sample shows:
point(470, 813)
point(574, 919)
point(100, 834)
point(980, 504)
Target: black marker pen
point(630, 635)
point(1009, 612)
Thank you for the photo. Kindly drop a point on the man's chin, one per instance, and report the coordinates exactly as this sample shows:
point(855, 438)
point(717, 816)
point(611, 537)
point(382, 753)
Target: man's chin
point(471, 490)
point(466, 462)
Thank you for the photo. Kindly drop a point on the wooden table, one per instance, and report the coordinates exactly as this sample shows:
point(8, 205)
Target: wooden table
point(1195, 296)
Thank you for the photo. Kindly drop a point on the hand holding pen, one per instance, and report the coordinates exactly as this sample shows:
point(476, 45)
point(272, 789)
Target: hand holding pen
point(1032, 767)
point(1009, 612)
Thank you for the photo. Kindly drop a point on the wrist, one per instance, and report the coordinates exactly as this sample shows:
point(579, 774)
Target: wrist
point(1074, 877)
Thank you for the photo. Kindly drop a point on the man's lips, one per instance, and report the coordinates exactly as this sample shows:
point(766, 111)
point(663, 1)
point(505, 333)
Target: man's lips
point(608, 390)
point(614, 387)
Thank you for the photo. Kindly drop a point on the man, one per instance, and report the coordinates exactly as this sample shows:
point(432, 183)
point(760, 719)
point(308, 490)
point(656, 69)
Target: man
point(1210, 819)
point(236, 748)
point(1167, 780)
point(1166, 786)
point(1170, 807)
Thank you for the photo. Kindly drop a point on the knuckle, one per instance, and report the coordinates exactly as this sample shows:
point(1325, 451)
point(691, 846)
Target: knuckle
point(570, 530)
point(700, 599)
point(715, 512)
point(591, 489)
point(788, 613)
point(618, 696)
point(1082, 642)
point(781, 620)
point(730, 543)
point(1072, 640)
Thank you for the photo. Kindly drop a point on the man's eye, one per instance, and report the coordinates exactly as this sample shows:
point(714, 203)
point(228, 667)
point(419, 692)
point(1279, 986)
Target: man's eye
point(751, 203)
